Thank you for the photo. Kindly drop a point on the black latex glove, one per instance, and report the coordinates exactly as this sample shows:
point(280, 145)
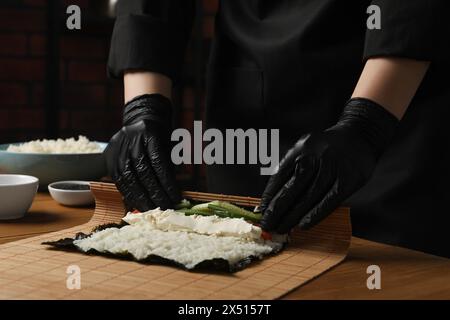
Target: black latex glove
point(323, 169)
point(138, 156)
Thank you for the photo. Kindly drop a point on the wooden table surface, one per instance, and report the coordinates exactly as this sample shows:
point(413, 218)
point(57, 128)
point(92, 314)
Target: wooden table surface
point(405, 274)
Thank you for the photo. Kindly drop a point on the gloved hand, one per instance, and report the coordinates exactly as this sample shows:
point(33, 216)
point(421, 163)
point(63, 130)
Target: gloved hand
point(323, 169)
point(138, 156)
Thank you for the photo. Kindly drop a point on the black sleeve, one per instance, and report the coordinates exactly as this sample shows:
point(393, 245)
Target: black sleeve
point(150, 35)
point(414, 29)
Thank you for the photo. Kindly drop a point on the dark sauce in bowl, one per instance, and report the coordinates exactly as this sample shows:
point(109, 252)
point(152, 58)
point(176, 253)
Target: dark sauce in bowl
point(71, 186)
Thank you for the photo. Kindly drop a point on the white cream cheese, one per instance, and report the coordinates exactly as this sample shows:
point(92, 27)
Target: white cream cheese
point(170, 220)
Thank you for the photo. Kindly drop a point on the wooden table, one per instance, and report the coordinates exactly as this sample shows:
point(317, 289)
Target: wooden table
point(405, 274)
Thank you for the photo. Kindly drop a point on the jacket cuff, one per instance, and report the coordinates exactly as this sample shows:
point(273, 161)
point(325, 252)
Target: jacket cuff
point(141, 42)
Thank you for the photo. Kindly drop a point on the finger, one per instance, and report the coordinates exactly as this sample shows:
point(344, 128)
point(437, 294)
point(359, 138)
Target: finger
point(134, 193)
point(163, 169)
point(111, 153)
point(275, 183)
point(116, 154)
point(119, 155)
point(121, 187)
point(282, 175)
point(288, 195)
point(324, 208)
point(146, 176)
point(322, 184)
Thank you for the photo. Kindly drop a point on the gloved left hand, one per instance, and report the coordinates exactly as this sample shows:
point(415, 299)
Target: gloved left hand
point(138, 156)
point(323, 169)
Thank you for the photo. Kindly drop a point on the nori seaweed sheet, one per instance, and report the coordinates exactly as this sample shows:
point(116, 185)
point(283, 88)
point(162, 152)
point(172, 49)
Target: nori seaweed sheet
point(213, 265)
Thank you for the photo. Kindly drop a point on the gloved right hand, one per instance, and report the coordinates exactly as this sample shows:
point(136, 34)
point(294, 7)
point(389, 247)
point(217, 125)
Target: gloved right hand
point(323, 169)
point(138, 156)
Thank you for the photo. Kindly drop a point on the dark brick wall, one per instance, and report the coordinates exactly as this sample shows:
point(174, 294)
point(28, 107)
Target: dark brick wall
point(88, 102)
point(22, 69)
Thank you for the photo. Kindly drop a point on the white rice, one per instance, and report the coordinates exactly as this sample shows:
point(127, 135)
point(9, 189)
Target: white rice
point(189, 248)
point(70, 145)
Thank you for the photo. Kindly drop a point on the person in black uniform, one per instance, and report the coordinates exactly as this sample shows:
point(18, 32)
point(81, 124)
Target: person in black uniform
point(362, 112)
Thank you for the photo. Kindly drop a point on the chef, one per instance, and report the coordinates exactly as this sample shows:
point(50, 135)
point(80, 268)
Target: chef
point(362, 111)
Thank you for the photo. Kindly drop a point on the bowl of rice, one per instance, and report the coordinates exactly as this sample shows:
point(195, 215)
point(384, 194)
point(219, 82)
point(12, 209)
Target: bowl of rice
point(55, 160)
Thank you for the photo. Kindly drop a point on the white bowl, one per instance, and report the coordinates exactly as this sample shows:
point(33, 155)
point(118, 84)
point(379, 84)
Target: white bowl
point(71, 197)
point(16, 195)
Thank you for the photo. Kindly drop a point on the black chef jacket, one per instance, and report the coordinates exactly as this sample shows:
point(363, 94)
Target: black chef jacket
point(292, 65)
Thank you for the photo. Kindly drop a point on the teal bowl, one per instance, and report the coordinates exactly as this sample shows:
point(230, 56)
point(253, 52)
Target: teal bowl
point(51, 167)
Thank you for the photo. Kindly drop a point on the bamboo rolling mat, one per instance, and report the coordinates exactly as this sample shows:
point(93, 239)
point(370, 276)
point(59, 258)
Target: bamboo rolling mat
point(30, 270)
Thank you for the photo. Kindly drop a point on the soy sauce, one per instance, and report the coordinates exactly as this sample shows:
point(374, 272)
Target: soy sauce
point(71, 186)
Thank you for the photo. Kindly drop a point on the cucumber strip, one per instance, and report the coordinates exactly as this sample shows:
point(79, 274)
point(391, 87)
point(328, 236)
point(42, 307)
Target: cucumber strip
point(221, 209)
point(221, 213)
point(183, 204)
point(190, 212)
point(203, 207)
point(234, 211)
point(228, 213)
